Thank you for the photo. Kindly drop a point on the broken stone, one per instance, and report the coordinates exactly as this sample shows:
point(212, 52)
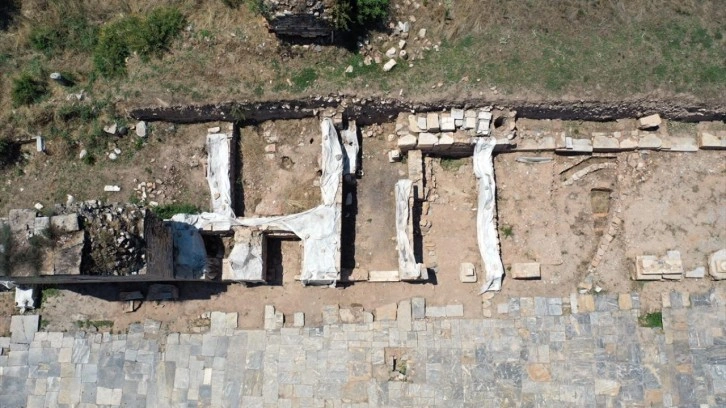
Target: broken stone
point(111, 188)
point(422, 33)
point(349, 69)
point(649, 122)
point(65, 223)
point(389, 65)
point(271, 148)
point(215, 129)
point(83, 154)
point(709, 140)
point(391, 53)
point(110, 129)
point(697, 273)
point(38, 206)
point(141, 129)
point(298, 319)
point(394, 156)
point(467, 272)
point(413, 124)
point(526, 270)
point(113, 156)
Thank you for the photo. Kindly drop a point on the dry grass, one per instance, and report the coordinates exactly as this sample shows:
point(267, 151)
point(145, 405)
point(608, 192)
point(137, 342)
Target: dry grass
point(537, 49)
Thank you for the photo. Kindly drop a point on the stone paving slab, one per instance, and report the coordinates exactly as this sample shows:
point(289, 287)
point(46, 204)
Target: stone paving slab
point(537, 352)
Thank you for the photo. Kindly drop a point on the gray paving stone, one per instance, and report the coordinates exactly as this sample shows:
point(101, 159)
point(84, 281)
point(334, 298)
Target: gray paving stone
point(23, 328)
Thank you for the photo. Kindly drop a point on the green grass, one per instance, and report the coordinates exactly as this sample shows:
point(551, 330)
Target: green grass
point(167, 211)
point(508, 231)
point(50, 293)
point(450, 164)
point(302, 79)
point(652, 320)
point(28, 90)
point(148, 36)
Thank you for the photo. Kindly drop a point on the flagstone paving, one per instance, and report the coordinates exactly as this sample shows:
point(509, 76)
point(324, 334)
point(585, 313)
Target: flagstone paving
point(537, 352)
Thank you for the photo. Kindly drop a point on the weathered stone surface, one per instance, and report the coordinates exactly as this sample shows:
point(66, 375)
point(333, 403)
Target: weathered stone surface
point(526, 270)
point(23, 328)
point(384, 276)
point(331, 314)
point(418, 308)
point(413, 124)
point(389, 65)
point(298, 319)
point(447, 123)
point(649, 122)
point(432, 122)
point(683, 144)
point(407, 142)
point(650, 141)
point(65, 223)
point(403, 315)
point(607, 387)
point(698, 273)
point(454, 310)
point(141, 129)
point(467, 272)
point(435, 311)
point(427, 140)
point(717, 264)
point(539, 372)
point(712, 140)
point(605, 144)
point(386, 312)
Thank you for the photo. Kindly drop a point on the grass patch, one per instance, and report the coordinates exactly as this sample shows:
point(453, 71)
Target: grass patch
point(167, 211)
point(97, 324)
point(147, 36)
point(303, 79)
point(652, 320)
point(50, 293)
point(450, 164)
point(28, 90)
point(508, 231)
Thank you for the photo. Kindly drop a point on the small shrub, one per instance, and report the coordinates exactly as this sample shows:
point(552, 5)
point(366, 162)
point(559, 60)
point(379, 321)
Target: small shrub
point(47, 40)
point(341, 14)
point(167, 211)
point(27, 90)
point(508, 231)
point(652, 320)
point(450, 164)
point(149, 36)
point(372, 11)
point(82, 112)
point(9, 152)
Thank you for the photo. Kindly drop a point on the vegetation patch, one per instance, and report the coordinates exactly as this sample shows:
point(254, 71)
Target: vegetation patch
point(652, 320)
point(303, 79)
point(28, 90)
point(147, 36)
point(167, 211)
point(450, 164)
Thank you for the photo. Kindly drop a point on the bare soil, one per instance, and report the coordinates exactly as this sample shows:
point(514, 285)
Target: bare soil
point(667, 201)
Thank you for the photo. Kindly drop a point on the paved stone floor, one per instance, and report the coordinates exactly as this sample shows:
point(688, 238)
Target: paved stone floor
point(537, 352)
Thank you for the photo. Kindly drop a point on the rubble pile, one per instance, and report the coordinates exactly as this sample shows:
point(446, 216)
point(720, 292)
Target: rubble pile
point(114, 237)
point(402, 44)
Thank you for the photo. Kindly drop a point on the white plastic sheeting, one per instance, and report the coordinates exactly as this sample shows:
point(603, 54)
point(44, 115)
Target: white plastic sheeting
point(318, 228)
point(486, 228)
point(24, 299)
point(245, 262)
point(219, 173)
point(407, 266)
point(351, 146)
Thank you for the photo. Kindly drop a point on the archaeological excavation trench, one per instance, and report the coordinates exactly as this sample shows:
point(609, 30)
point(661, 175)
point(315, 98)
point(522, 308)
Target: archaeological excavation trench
point(335, 191)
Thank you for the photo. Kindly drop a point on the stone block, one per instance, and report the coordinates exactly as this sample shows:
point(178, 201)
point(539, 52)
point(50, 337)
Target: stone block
point(445, 142)
point(526, 270)
point(298, 319)
point(23, 328)
point(447, 123)
point(457, 114)
point(650, 142)
point(605, 144)
point(386, 312)
point(418, 308)
point(108, 396)
point(625, 302)
point(628, 143)
point(432, 122)
point(406, 143)
point(467, 272)
point(683, 144)
point(421, 122)
point(403, 315)
point(712, 140)
point(435, 311)
point(607, 387)
point(41, 224)
point(384, 276)
point(331, 314)
point(413, 124)
point(21, 220)
point(469, 123)
point(716, 265)
point(394, 156)
point(427, 141)
point(649, 122)
point(698, 273)
point(454, 310)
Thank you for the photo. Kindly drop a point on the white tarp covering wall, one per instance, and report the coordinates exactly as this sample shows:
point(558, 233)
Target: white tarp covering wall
point(219, 172)
point(486, 227)
point(351, 146)
point(318, 228)
point(246, 260)
point(407, 266)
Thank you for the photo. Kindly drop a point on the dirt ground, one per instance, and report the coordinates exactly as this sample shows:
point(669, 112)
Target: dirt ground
point(666, 200)
point(172, 154)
